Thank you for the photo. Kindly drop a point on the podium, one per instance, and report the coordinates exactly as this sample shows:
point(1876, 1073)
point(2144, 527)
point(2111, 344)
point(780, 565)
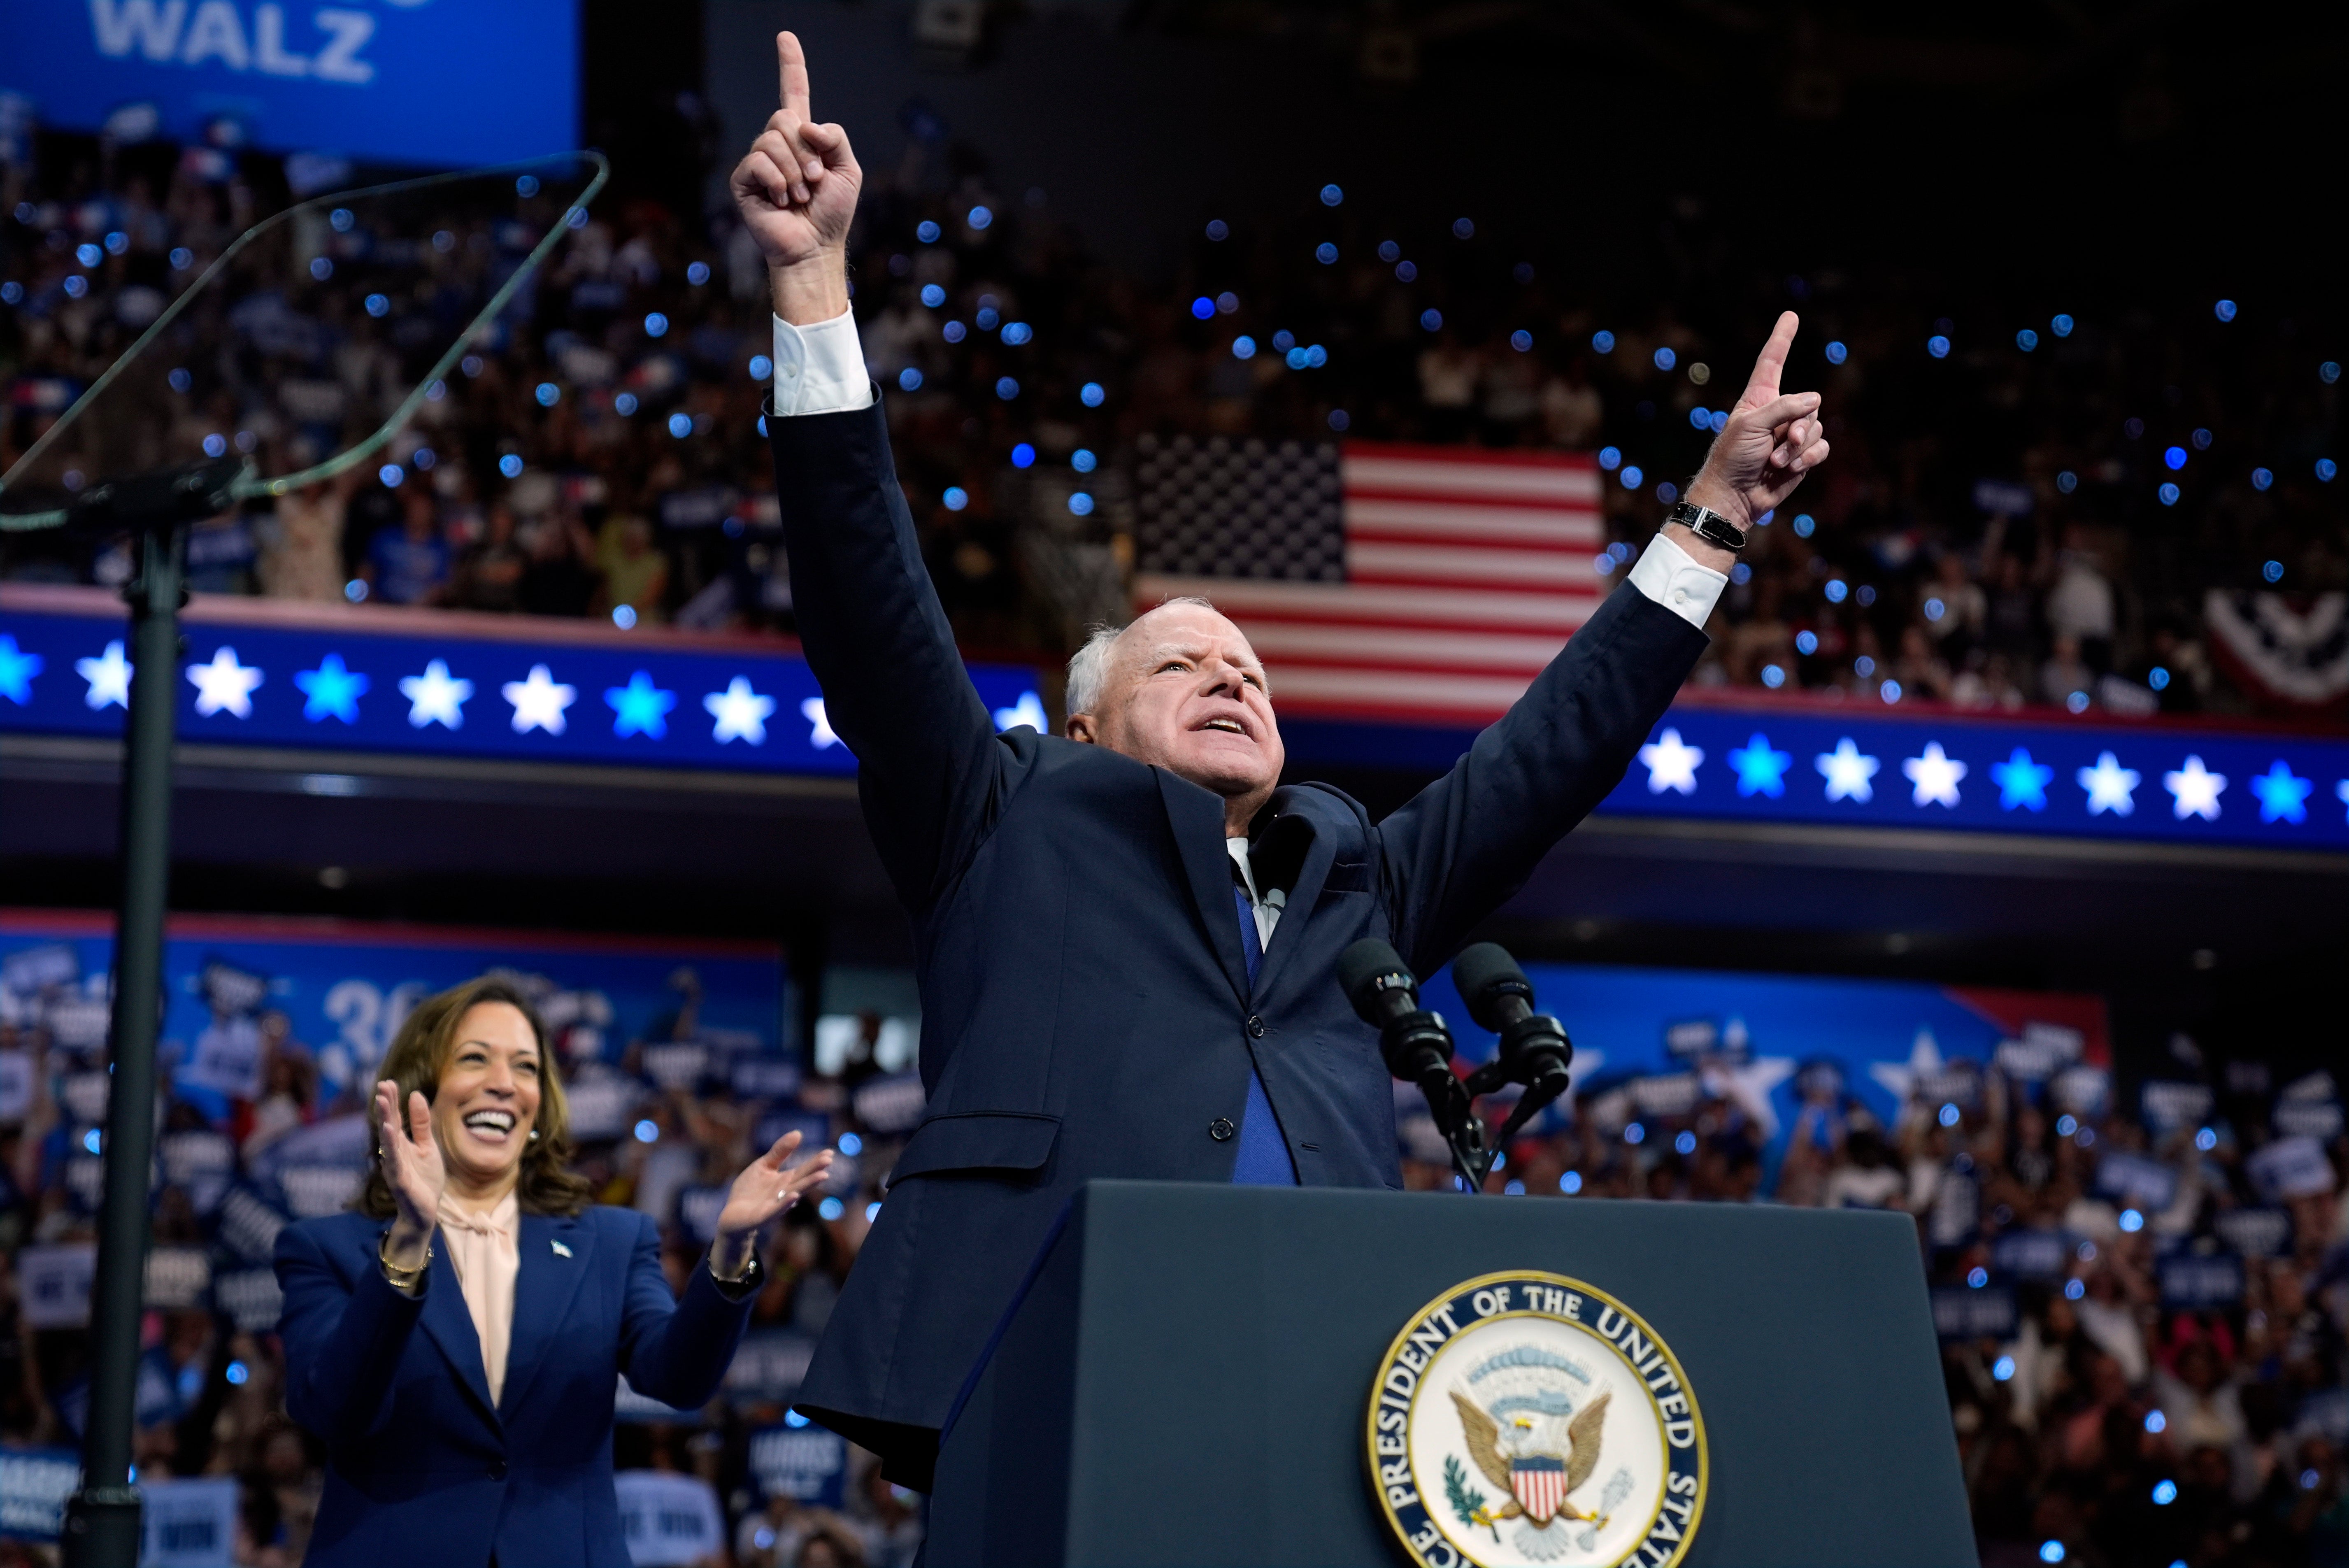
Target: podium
point(1189, 1375)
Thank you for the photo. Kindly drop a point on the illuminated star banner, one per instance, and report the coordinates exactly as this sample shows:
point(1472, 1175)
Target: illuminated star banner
point(2157, 782)
point(341, 683)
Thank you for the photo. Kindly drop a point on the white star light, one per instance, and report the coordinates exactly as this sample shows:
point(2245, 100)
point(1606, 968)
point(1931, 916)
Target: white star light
point(1847, 770)
point(2341, 790)
point(1935, 776)
point(108, 676)
point(436, 697)
point(539, 701)
point(1028, 711)
point(2108, 785)
point(2196, 790)
point(741, 713)
point(819, 733)
point(1670, 763)
point(225, 686)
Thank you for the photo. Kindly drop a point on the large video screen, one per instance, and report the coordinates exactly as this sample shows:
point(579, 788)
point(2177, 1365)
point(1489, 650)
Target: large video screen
point(424, 82)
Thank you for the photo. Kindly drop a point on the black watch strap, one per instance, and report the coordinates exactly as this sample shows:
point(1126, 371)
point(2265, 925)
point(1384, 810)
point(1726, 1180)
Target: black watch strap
point(1708, 525)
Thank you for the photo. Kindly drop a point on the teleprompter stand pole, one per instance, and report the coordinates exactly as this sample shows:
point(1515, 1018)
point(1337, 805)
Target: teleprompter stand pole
point(102, 1520)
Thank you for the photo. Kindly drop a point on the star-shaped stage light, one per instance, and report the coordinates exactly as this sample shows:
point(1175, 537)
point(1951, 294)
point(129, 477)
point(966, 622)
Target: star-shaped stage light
point(331, 690)
point(1760, 770)
point(539, 701)
point(741, 713)
point(2022, 783)
point(17, 671)
point(436, 697)
point(2196, 790)
point(819, 733)
point(1028, 711)
point(2109, 786)
point(639, 708)
point(2283, 797)
point(1847, 770)
point(2341, 791)
point(1935, 774)
point(108, 676)
point(1671, 764)
point(225, 686)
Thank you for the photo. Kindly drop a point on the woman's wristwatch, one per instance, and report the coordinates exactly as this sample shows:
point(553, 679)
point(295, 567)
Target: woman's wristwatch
point(742, 1285)
point(404, 1281)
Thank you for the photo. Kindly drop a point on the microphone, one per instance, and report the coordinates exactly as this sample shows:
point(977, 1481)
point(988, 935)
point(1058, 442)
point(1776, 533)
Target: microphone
point(1535, 1050)
point(1417, 1047)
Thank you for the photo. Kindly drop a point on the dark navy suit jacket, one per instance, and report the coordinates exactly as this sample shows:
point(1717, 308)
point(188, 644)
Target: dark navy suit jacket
point(1086, 1006)
point(419, 1466)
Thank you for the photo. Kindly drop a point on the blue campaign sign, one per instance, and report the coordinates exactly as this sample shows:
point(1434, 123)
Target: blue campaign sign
point(240, 990)
point(431, 82)
point(455, 686)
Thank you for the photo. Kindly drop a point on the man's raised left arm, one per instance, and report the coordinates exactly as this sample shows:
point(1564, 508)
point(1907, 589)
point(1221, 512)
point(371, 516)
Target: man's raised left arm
point(1469, 840)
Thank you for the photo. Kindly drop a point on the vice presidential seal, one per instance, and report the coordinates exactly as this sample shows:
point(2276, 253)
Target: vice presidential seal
point(1526, 1418)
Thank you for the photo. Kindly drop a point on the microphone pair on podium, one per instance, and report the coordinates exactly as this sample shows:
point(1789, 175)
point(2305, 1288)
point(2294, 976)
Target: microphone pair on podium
point(1535, 1052)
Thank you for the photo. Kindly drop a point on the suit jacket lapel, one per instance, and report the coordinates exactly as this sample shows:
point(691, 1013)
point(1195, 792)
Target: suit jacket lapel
point(1292, 852)
point(1197, 815)
point(544, 1286)
point(447, 1319)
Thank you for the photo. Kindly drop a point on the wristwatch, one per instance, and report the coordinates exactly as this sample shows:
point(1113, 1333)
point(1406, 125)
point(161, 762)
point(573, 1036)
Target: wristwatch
point(1708, 525)
point(744, 1285)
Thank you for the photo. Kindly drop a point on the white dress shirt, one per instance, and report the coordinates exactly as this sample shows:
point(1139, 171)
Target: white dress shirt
point(819, 370)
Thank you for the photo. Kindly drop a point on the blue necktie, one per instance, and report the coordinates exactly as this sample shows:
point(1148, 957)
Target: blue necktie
point(1264, 1159)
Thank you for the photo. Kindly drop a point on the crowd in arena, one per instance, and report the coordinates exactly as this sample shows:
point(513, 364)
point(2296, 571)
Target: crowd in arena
point(2144, 1329)
point(2020, 512)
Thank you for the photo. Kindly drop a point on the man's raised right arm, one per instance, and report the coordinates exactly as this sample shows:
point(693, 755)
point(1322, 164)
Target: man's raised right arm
point(894, 684)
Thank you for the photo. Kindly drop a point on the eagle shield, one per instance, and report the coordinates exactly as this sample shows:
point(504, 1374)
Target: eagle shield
point(1539, 1482)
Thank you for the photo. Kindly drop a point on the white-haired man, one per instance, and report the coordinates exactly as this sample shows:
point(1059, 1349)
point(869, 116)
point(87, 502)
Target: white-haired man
point(1127, 937)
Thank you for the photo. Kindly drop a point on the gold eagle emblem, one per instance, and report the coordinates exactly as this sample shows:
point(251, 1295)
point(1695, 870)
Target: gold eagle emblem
point(1501, 1454)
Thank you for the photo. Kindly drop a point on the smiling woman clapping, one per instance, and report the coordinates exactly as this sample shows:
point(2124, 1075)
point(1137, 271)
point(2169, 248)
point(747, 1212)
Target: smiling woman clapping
point(486, 1438)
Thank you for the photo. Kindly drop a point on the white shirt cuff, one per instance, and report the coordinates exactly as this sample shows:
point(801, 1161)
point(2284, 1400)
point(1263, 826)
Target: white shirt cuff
point(820, 368)
point(1670, 576)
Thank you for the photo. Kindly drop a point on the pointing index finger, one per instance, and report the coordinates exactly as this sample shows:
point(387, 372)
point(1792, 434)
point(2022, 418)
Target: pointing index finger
point(1772, 363)
point(790, 61)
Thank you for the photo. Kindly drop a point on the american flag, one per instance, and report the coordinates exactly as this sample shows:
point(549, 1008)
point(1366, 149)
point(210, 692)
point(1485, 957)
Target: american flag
point(1379, 582)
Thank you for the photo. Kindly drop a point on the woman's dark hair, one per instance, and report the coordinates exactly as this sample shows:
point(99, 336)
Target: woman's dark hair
point(419, 1056)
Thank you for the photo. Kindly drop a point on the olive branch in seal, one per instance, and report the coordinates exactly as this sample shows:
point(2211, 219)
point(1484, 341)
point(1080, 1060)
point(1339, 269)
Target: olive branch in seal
point(1466, 1500)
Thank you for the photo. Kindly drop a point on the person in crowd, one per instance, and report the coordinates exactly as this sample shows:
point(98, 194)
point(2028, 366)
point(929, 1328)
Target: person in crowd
point(408, 564)
point(454, 1341)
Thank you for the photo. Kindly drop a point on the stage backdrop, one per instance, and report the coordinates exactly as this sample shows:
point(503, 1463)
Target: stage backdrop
point(432, 82)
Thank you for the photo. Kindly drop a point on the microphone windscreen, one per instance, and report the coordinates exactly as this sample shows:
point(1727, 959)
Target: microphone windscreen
point(1485, 973)
point(1360, 969)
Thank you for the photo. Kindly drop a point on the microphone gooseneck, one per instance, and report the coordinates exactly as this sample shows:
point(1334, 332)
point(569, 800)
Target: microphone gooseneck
point(1417, 1047)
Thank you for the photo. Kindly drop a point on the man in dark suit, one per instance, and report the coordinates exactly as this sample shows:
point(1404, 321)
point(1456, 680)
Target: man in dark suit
point(1127, 938)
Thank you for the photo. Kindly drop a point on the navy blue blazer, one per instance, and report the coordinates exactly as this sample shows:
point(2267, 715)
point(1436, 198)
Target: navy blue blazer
point(1086, 1006)
point(419, 1466)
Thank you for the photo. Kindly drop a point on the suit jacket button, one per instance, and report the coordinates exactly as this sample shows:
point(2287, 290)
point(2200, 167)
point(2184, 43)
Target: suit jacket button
point(497, 1470)
point(1256, 1026)
point(1221, 1130)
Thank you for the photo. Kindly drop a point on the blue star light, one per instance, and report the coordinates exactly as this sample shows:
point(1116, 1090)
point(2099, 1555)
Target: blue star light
point(17, 671)
point(1760, 770)
point(2283, 797)
point(639, 708)
point(2022, 781)
point(331, 690)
